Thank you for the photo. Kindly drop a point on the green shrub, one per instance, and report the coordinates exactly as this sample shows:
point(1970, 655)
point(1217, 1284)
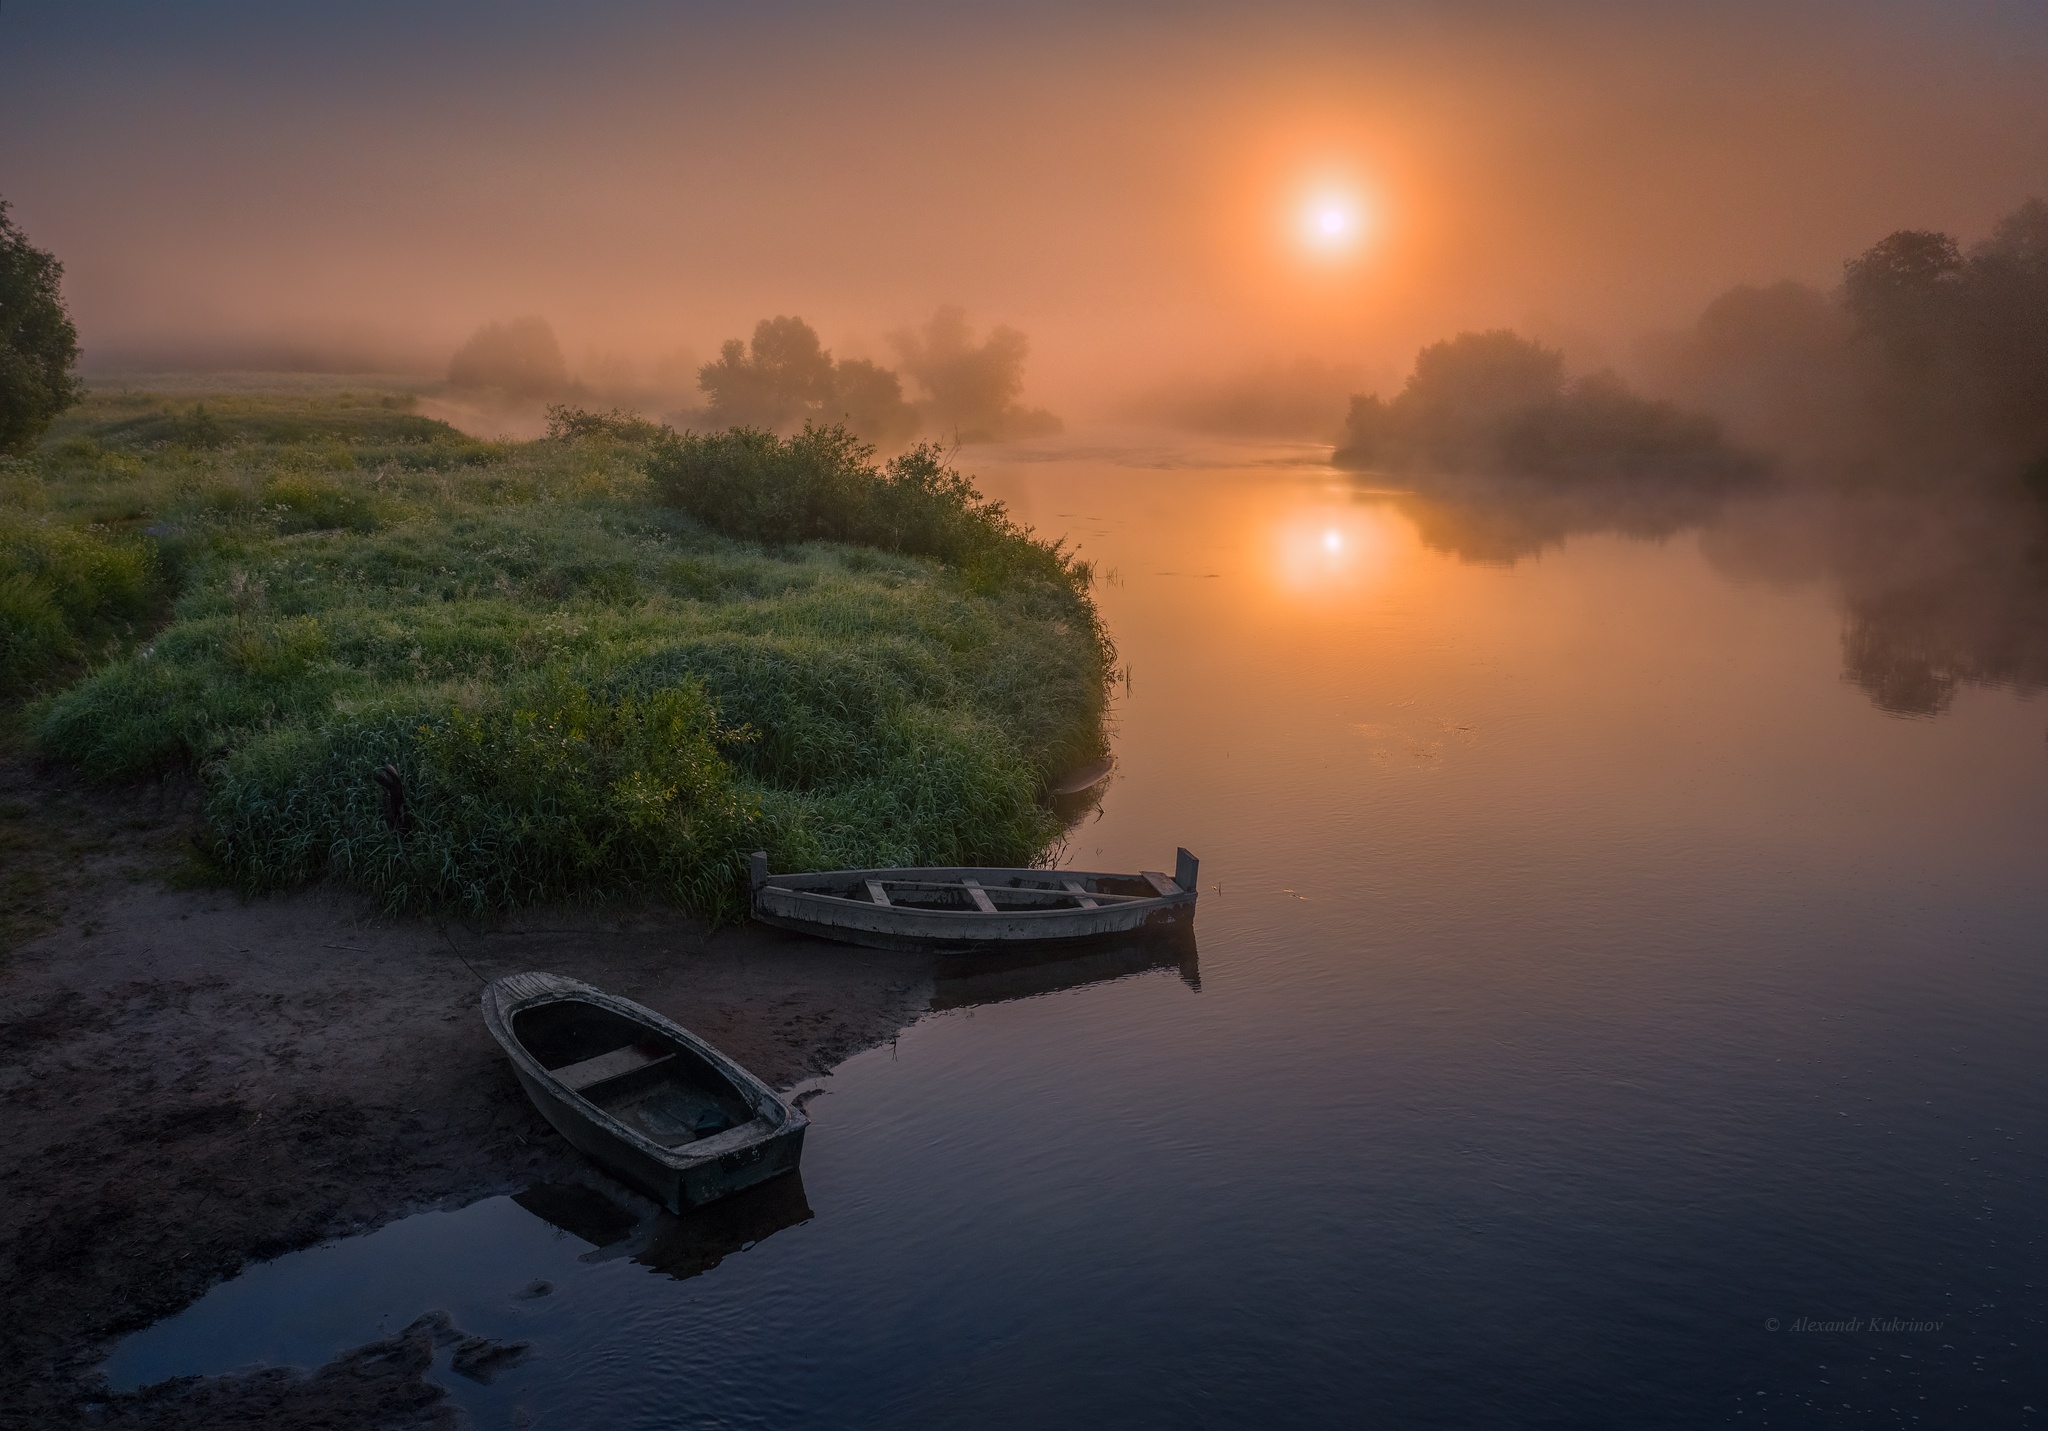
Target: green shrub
point(586, 692)
point(63, 590)
point(308, 504)
point(819, 709)
point(559, 795)
point(570, 424)
point(823, 484)
point(33, 636)
point(936, 787)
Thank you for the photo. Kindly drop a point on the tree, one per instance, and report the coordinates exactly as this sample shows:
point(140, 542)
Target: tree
point(2005, 284)
point(785, 377)
point(868, 398)
point(1476, 380)
point(520, 359)
point(972, 388)
point(1495, 404)
point(1903, 294)
point(38, 344)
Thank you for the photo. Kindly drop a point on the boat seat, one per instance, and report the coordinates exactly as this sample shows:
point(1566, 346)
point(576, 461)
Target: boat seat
point(592, 1071)
point(1166, 887)
point(877, 893)
point(979, 895)
point(1087, 902)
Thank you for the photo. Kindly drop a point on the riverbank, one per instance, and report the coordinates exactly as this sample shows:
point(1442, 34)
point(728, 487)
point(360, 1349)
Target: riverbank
point(194, 1082)
point(608, 664)
point(320, 714)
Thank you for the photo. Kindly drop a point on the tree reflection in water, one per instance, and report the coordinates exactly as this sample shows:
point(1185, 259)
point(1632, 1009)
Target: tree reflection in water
point(1938, 591)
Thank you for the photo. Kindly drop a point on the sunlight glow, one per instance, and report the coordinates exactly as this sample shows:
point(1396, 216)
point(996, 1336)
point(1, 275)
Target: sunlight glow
point(1336, 551)
point(1333, 221)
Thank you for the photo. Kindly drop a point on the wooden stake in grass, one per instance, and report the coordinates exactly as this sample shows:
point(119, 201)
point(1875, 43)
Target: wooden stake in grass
point(393, 786)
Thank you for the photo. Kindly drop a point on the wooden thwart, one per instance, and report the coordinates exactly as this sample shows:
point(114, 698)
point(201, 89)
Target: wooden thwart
point(978, 895)
point(578, 1076)
point(877, 893)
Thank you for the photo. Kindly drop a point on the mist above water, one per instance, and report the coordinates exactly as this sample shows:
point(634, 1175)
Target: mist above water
point(265, 189)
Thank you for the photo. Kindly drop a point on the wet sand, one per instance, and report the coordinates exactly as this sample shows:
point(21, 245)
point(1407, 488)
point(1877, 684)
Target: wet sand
point(193, 1082)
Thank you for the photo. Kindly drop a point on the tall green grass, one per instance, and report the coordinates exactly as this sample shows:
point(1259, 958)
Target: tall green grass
point(64, 594)
point(591, 678)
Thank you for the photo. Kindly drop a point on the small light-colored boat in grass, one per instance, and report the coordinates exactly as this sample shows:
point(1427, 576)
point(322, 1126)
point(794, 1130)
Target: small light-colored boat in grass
point(642, 1096)
point(970, 908)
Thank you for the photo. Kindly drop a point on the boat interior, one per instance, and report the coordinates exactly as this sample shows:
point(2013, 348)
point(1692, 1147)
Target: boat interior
point(992, 894)
point(651, 1083)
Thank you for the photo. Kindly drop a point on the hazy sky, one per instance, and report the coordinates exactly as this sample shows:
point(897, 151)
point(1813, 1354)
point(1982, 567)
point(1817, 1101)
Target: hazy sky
point(1126, 183)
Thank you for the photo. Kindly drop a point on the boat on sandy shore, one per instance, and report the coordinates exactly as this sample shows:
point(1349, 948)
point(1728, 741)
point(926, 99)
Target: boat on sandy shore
point(639, 1094)
point(974, 908)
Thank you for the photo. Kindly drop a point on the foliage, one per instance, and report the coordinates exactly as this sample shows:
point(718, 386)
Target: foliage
point(571, 424)
point(64, 591)
point(1928, 361)
point(1496, 403)
point(543, 798)
point(38, 344)
point(586, 691)
point(822, 484)
point(972, 389)
point(785, 377)
point(520, 359)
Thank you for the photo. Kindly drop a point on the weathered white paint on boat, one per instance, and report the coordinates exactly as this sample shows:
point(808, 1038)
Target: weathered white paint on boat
point(586, 1091)
point(969, 908)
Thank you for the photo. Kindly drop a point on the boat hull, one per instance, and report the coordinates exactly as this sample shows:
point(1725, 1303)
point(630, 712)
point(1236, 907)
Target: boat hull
point(769, 1144)
point(821, 905)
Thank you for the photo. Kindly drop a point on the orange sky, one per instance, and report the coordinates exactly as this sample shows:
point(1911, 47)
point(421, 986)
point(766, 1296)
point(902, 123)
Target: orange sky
point(1124, 184)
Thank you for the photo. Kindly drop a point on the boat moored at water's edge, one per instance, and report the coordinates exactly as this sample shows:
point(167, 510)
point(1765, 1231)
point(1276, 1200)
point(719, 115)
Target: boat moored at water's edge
point(974, 908)
point(640, 1094)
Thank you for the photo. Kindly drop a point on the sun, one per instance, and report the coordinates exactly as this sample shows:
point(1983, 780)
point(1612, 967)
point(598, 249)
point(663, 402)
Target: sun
point(1333, 221)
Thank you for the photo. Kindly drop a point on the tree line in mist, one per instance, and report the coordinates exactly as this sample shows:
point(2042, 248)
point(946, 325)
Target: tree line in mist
point(784, 378)
point(1927, 360)
point(1925, 364)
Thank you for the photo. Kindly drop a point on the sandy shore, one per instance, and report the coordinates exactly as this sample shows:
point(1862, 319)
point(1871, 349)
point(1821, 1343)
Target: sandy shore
point(192, 1082)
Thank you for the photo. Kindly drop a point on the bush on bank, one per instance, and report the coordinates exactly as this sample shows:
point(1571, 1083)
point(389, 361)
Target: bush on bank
point(586, 688)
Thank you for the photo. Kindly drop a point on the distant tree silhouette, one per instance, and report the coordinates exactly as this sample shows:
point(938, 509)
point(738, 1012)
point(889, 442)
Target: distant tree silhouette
point(2005, 300)
point(1928, 363)
point(868, 399)
point(1495, 403)
point(785, 377)
point(38, 344)
point(519, 359)
point(972, 389)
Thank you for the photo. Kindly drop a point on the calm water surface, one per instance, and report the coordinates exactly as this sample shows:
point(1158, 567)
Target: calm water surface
point(1613, 950)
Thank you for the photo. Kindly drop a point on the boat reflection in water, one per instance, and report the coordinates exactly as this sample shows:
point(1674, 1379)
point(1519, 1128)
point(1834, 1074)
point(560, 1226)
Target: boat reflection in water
point(960, 981)
point(678, 1246)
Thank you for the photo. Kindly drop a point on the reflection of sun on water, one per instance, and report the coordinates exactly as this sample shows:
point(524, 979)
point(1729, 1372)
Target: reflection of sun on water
point(1335, 550)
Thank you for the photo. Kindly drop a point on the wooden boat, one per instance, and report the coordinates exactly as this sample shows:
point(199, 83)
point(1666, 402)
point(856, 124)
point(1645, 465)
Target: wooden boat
point(943, 909)
point(642, 1096)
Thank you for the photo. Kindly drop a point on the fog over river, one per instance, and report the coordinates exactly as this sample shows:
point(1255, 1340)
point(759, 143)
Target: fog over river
point(1620, 950)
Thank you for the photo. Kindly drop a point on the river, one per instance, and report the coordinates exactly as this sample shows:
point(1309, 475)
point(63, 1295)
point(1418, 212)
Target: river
point(1618, 1002)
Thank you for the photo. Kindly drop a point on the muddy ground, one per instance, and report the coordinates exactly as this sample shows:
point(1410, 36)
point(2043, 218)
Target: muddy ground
point(189, 1082)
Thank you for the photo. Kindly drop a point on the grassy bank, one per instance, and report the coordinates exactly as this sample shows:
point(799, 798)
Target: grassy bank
point(583, 685)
